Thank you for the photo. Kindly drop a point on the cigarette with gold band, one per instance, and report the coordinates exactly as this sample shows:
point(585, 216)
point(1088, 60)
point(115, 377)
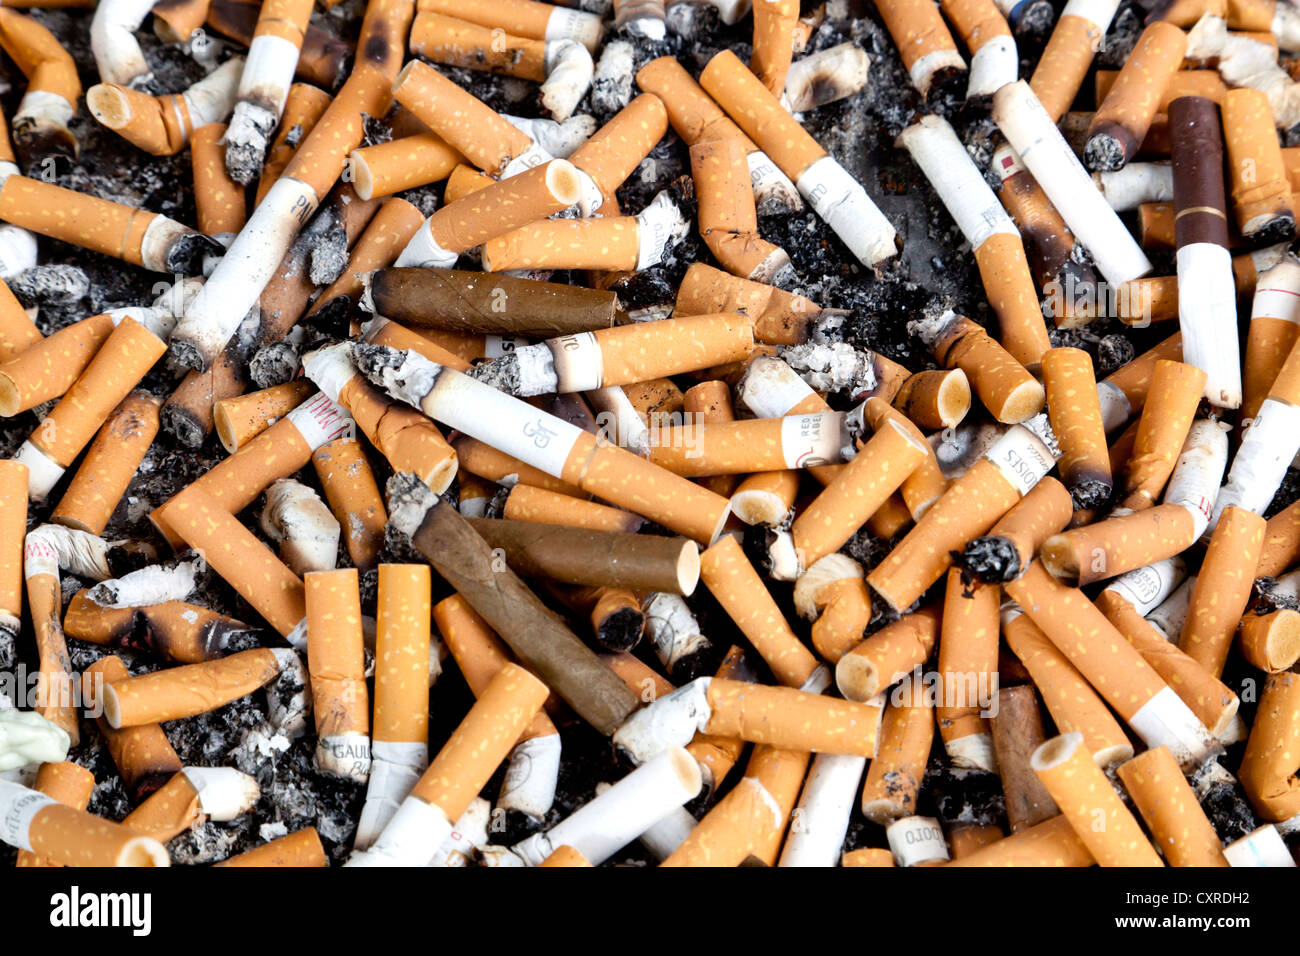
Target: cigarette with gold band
point(820, 821)
point(935, 399)
point(1002, 382)
point(527, 503)
point(1246, 60)
point(1125, 112)
point(888, 655)
point(730, 578)
point(240, 419)
point(1005, 552)
point(1261, 192)
point(353, 497)
point(1050, 843)
point(163, 125)
point(402, 163)
point(302, 110)
point(335, 661)
point(109, 465)
point(1270, 642)
point(1017, 732)
point(1178, 825)
point(774, 24)
point(779, 317)
point(1064, 64)
point(40, 126)
point(751, 819)
point(400, 746)
point(1074, 411)
point(307, 533)
point(894, 779)
point(1268, 767)
point(455, 776)
point(1089, 804)
point(219, 201)
point(834, 194)
point(832, 594)
point(728, 221)
point(967, 510)
point(697, 118)
point(69, 837)
point(406, 438)
point(1113, 666)
point(548, 443)
point(1274, 324)
point(1126, 542)
point(192, 796)
point(928, 50)
point(174, 630)
point(698, 449)
point(143, 756)
point(71, 786)
point(125, 357)
point(299, 849)
point(993, 237)
point(137, 236)
point(983, 28)
point(1222, 588)
point(968, 671)
point(1172, 400)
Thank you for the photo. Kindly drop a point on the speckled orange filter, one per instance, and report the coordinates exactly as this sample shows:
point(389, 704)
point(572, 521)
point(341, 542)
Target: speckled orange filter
point(1065, 61)
point(730, 578)
point(694, 115)
point(789, 718)
point(1271, 641)
point(1124, 117)
point(353, 496)
point(925, 485)
point(935, 399)
point(1003, 385)
point(300, 849)
point(13, 525)
point(1281, 547)
point(17, 331)
point(168, 812)
point(607, 243)
point(159, 125)
point(527, 18)
point(110, 464)
point(1178, 825)
point(1009, 286)
point(1268, 767)
point(174, 630)
point(1035, 518)
point(302, 110)
point(76, 838)
point(407, 438)
point(697, 448)
point(898, 766)
point(526, 503)
point(968, 670)
point(868, 856)
point(565, 856)
point(480, 458)
point(402, 634)
point(1050, 843)
point(765, 497)
point(240, 419)
point(728, 218)
point(218, 200)
point(1085, 797)
point(49, 69)
point(780, 317)
point(67, 783)
point(384, 332)
point(1172, 398)
point(616, 149)
point(142, 754)
point(319, 159)
point(504, 206)
point(922, 39)
point(888, 655)
point(1222, 588)
point(1261, 191)
point(187, 690)
point(54, 698)
point(710, 403)
point(1091, 553)
point(402, 163)
point(1133, 379)
point(454, 42)
point(336, 661)
point(1075, 414)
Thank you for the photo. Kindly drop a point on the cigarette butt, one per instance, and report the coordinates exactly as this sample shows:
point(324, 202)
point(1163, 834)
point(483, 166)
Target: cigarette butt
point(762, 444)
point(240, 419)
point(774, 24)
point(639, 677)
point(109, 465)
point(480, 458)
point(302, 109)
point(969, 839)
point(319, 159)
point(1272, 332)
point(1048, 240)
point(353, 497)
point(1004, 386)
point(1261, 192)
point(323, 56)
point(336, 662)
point(159, 125)
point(526, 503)
point(401, 164)
point(709, 403)
point(174, 630)
point(968, 667)
point(1172, 398)
point(464, 180)
point(49, 367)
point(55, 700)
point(1049, 843)
point(1169, 806)
point(1068, 54)
point(984, 29)
point(71, 786)
point(935, 399)
point(1072, 702)
point(766, 497)
point(188, 690)
point(694, 115)
point(1206, 83)
point(1271, 642)
point(187, 414)
point(1013, 541)
point(1094, 552)
point(1222, 588)
point(144, 758)
point(565, 856)
point(655, 399)
point(377, 248)
point(299, 849)
point(923, 41)
point(888, 655)
point(218, 199)
point(401, 654)
point(1268, 766)
point(1075, 414)
point(169, 811)
point(924, 486)
point(454, 42)
point(1281, 543)
point(779, 317)
point(898, 766)
point(176, 20)
point(53, 89)
point(409, 440)
point(73, 837)
point(868, 856)
point(728, 219)
point(13, 526)
point(833, 593)
point(730, 578)
point(1017, 729)
point(17, 331)
point(1085, 796)
point(1004, 271)
point(611, 243)
point(527, 18)
point(1126, 111)
point(380, 331)
point(1133, 380)
point(616, 149)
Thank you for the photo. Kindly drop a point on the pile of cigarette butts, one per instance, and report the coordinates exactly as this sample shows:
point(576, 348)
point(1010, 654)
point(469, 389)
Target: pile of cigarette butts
point(549, 484)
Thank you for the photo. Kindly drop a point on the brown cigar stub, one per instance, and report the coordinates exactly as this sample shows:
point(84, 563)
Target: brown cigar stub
point(1005, 387)
point(898, 766)
point(187, 691)
point(353, 497)
point(144, 757)
point(1268, 767)
point(175, 631)
point(1261, 192)
point(888, 655)
point(1270, 642)
point(1222, 588)
point(1172, 398)
point(454, 42)
point(1005, 552)
point(110, 464)
point(300, 849)
point(728, 219)
point(302, 109)
point(1017, 732)
point(935, 400)
point(1122, 120)
point(240, 419)
point(1169, 806)
point(67, 783)
point(1075, 414)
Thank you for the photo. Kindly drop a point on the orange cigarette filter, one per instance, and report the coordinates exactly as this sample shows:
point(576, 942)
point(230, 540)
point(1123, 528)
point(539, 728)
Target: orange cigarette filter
point(1172, 398)
point(779, 317)
point(110, 464)
point(765, 497)
point(188, 690)
point(774, 25)
point(175, 19)
point(1004, 385)
point(142, 754)
point(336, 661)
point(1268, 767)
point(483, 460)
point(13, 526)
point(17, 331)
point(1099, 818)
point(67, 783)
point(1261, 191)
point(888, 655)
point(319, 159)
point(968, 668)
point(218, 200)
point(240, 419)
point(1124, 117)
point(730, 578)
point(400, 337)
point(454, 42)
point(1040, 514)
point(898, 766)
point(353, 496)
point(168, 812)
point(728, 219)
point(402, 163)
point(174, 630)
point(526, 503)
point(843, 607)
point(694, 115)
point(76, 838)
point(49, 69)
point(605, 243)
point(1065, 61)
point(55, 700)
point(403, 435)
point(1281, 548)
point(1173, 815)
point(378, 247)
point(935, 399)
point(300, 849)
point(159, 125)
point(619, 146)
point(790, 718)
point(302, 109)
point(505, 206)
point(1073, 704)
point(924, 486)
point(968, 839)
point(1270, 642)
point(922, 39)
point(528, 18)
point(868, 856)
point(402, 636)
point(565, 856)
point(1050, 843)
point(1074, 411)
point(1134, 378)
point(462, 181)
point(709, 403)
point(1009, 286)
point(977, 21)
point(1222, 588)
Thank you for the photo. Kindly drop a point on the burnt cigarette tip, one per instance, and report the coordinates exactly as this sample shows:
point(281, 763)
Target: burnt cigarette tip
point(621, 631)
point(409, 500)
point(187, 253)
point(991, 560)
point(1087, 492)
point(372, 360)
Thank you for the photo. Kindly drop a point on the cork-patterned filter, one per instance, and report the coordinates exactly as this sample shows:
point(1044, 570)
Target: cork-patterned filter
point(1267, 346)
point(1281, 547)
point(926, 484)
point(13, 526)
point(1270, 642)
point(48, 67)
point(845, 606)
point(1172, 813)
point(286, 19)
point(219, 200)
point(143, 756)
point(967, 510)
point(1172, 398)
point(1064, 63)
point(1092, 808)
point(407, 438)
point(464, 122)
point(709, 403)
point(1004, 271)
point(779, 317)
point(159, 125)
point(168, 812)
point(354, 498)
point(968, 656)
point(727, 448)
point(402, 653)
point(917, 29)
point(1222, 588)
point(1107, 548)
point(188, 690)
point(1268, 767)
point(67, 783)
point(464, 180)
point(789, 718)
point(861, 487)
point(1286, 386)
point(195, 398)
point(1127, 109)
point(300, 849)
point(402, 163)
point(110, 464)
point(1070, 699)
point(302, 109)
point(56, 702)
point(730, 578)
point(886, 656)
point(898, 766)
point(1075, 414)
point(606, 243)
point(525, 17)
point(479, 458)
point(481, 741)
point(17, 332)
point(75, 838)
point(1153, 299)
point(454, 42)
point(760, 114)
point(640, 678)
point(527, 503)
point(1035, 518)
point(694, 116)
point(505, 205)
point(1003, 384)
point(239, 556)
point(728, 219)
point(565, 856)
point(934, 399)
point(380, 47)
point(717, 755)
point(977, 21)
point(1050, 843)
point(774, 24)
point(399, 337)
point(1261, 191)
point(1134, 378)
point(242, 418)
point(319, 159)
point(868, 856)
point(378, 247)
point(618, 147)
point(336, 653)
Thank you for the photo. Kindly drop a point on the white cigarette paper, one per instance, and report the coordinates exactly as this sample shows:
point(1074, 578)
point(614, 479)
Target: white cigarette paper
point(820, 821)
point(1207, 316)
